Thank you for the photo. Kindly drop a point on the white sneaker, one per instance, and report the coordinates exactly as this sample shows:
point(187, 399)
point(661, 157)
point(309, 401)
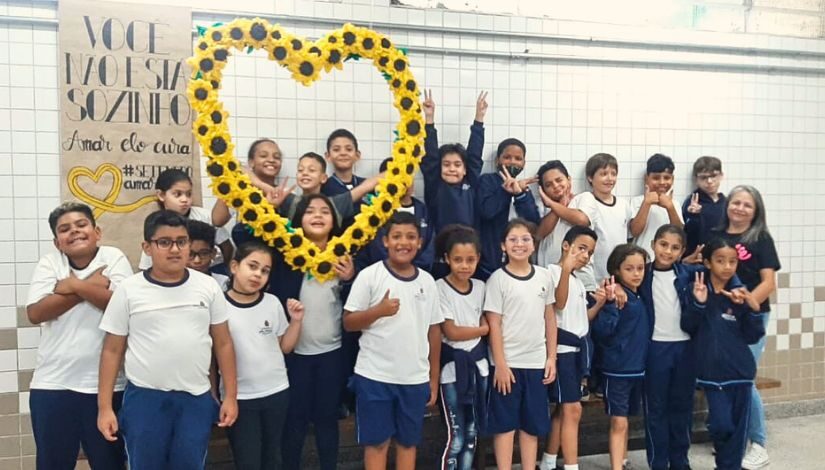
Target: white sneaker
point(755, 458)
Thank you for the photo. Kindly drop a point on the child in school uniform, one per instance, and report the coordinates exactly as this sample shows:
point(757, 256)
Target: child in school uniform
point(723, 323)
point(573, 315)
point(501, 197)
point(556, 192)
point(167, 321)
point(262, 335)
point(395, 306)
point(519, 310)
point(704, 208)
point(202, 249)
point(451, 172)
point(264, 160)
point(375, 250)
point(622, 334)
point(174, 193)
point(464, 365)
point(342, 152)
point(607, 214)
point(655, 207)
point(670, 373)
point(69, 290)
point(316, 367)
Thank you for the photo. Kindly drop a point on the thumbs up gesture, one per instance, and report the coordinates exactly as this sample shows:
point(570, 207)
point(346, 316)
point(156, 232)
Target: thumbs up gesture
point(389, 306)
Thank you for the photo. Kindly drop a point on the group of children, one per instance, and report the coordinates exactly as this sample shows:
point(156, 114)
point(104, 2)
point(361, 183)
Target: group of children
point(264, 350)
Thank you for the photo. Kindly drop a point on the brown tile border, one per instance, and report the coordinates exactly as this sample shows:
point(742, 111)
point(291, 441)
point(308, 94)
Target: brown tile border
point(819, 294)
point(27, 446)
point(8, 338)
point(22, 317)
point(24, 379)
point(10, 446)
point(783, 280)
point(9, 403)
point(10, 425)
point(796, 310)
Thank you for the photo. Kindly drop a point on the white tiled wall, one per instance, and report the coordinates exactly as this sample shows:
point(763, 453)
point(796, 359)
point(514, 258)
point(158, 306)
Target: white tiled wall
point(768, 128)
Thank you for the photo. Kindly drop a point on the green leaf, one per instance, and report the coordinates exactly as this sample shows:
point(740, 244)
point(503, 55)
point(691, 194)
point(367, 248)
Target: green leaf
point(353, 57)
point(198, 75)
point(201, 30)
point(288, 226)
point(249, 50)
point(403, 50)
point(386, 76)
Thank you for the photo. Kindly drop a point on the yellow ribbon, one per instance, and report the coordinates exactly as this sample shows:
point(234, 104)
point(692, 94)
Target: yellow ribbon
point(106, 204)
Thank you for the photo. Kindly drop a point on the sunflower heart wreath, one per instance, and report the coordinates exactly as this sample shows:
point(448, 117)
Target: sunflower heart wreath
point(305, 60)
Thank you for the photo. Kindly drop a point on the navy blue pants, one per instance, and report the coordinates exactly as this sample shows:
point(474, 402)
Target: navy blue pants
point(63, 421)
point(315, 384)
point(257, 434)
point(166, 430)
point(670, 380)
point(728, 414)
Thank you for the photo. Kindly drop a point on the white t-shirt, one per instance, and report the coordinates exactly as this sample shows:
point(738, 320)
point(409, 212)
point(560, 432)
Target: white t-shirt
point(395, 349)
point(549, 251)
point(610, 224)
point(220, 279)
point(321, 327)
point(521, 302)
point(667, 309)
point(195, 213)
point(573, 317)
point(169, 344)
point(464, 309)
point(256, 328)
point(656, 217)
point(68, 357)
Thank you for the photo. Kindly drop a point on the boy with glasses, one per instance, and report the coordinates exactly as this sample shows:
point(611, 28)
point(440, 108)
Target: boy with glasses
point(165, 321)
point(202, 249)
point(702, 211)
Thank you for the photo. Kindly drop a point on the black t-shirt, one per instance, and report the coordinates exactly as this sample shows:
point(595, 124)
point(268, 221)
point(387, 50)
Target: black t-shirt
point(753, 257)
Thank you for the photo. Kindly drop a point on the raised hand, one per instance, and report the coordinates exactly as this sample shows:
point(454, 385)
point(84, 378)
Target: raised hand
point(278, 194)
point(694, 207)
point(695, 257)
point(545, 199)
point(481, 106)
point(344, 268)
point(609, 286)
point(428, 106)
point(389, 306)
point(510, 184)
point(700, 289)
point(742, 295)
point(651, 197)
point(666, 199)
point(599, 295)
point(295, 309)
point(523, 183)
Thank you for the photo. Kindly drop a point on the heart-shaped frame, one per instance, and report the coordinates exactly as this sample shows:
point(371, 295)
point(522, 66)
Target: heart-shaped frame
point(305, 59)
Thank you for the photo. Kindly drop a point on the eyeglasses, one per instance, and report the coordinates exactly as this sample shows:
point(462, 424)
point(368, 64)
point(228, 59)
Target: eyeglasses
point(203, 254)
point(525, 240)
point(166, 243)
point(708, 176)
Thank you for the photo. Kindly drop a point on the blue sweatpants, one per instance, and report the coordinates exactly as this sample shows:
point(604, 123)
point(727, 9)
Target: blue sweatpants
point(63, 421)
point(166, 430)
point(670, 380)
point(728, 413)
point(315, 386)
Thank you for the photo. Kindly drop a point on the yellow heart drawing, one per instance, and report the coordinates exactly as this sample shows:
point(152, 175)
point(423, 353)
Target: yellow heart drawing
point(305, 59)
point(107, 204)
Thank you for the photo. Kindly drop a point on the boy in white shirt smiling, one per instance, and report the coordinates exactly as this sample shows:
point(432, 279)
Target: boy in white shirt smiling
point(395, 306)
point(67, 295)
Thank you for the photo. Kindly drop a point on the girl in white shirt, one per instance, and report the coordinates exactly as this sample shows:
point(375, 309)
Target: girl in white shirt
point(261, 334)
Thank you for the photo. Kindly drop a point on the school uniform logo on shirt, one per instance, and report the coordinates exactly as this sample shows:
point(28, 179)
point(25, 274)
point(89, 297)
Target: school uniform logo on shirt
point(420, 294)
point(742, 252)
point(728, 315)
point(465, 187)
point(543, 292)
point(266, 329)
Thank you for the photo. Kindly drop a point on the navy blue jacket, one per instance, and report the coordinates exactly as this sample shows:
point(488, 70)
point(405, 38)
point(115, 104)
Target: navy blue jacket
point(722, 332)
point(284, 282)
point(335, 186)
point(375, 250)
point(623, 336)
point(698, 226)
point(452, 203)
point(493, 204)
